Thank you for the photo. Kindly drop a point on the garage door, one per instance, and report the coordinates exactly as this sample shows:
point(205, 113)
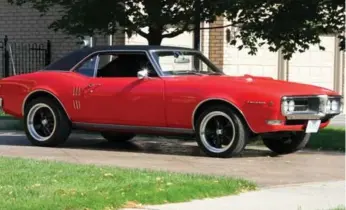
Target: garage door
point(314, 66)
point(264, 63)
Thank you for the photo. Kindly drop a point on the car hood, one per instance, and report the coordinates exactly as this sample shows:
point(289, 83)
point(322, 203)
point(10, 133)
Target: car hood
point(265, 84)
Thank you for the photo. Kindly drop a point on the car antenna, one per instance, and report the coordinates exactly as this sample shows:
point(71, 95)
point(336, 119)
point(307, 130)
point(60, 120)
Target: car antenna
point(12, 60)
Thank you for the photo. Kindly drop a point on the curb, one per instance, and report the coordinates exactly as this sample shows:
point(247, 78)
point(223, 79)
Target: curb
point(10, 123)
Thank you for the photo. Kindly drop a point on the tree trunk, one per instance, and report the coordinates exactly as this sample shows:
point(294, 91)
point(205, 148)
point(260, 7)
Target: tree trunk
point(154, 37)
point(154, 40)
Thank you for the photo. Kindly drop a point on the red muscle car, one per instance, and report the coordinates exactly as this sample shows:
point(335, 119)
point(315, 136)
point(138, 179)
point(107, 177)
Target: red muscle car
point(122, 91)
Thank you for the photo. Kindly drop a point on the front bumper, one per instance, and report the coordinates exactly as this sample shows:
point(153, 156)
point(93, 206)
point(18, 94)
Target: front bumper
point(311, 107)
point(306, 108)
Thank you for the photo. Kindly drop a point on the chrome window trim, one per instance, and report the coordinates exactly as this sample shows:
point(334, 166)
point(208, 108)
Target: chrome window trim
point(97, 63)
point(152, 51)
point(157, 70)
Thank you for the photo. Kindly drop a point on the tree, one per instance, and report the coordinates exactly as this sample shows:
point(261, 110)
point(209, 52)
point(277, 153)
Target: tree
point(289, 25)
point(88, 17)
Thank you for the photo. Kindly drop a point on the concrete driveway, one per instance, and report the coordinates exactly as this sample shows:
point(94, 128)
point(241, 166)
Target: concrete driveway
point(256, 164)
point(338, 121)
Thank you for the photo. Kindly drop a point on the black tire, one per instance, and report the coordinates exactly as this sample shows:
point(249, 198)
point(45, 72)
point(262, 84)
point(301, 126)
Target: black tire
point(287, 144)
point(117, 137)
point(241, 133)
point(62, 123)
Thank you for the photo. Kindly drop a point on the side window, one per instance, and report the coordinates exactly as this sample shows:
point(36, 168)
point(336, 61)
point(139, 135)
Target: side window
point(117, 65)
point(88, 67)
point(124, 65)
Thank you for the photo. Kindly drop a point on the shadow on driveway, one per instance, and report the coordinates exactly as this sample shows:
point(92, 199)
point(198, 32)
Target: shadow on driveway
point(151, 145)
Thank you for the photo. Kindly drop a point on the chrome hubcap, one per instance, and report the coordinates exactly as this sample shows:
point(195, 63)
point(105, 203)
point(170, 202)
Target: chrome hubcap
point(41, 122)
point(217, 132)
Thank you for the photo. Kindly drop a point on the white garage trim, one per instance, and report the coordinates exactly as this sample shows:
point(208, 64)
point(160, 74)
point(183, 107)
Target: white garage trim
point(337, 66)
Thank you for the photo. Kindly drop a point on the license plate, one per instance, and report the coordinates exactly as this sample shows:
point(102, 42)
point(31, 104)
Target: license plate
point(313, 126)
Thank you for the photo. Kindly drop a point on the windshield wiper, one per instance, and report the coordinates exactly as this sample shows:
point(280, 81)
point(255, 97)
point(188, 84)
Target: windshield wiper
point(214, 73)
point(188, 72)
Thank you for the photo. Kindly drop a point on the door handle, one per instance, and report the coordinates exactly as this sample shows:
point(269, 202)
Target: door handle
point(91, 87)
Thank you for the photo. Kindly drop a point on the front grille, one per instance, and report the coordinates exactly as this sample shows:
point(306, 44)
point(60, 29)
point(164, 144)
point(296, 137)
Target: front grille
point(306, 104)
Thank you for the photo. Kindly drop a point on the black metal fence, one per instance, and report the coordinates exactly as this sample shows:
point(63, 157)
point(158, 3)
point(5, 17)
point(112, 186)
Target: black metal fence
point(20, 58)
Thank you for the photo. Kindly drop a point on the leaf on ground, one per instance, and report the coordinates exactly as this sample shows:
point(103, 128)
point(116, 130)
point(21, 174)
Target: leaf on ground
point(107, 174)
point(36, 185)
point(132, 204)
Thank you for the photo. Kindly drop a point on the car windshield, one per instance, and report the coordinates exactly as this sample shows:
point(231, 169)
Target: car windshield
point(184, 63)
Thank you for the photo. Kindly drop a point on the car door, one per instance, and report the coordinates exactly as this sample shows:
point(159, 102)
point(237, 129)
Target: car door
point(118, 96)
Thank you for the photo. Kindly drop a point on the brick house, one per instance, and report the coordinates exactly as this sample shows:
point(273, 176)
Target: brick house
point(322, 68)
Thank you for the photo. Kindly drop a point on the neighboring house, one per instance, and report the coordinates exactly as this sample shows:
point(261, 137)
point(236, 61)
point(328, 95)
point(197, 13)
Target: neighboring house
point(23, 26)
point(322, 68)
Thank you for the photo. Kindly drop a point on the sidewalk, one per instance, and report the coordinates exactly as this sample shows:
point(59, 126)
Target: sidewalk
point(313, 196)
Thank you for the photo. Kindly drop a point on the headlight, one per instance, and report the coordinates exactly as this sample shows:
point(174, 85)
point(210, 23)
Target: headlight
point(285, 106)
point(291, 106)
point(288, 106)
point(333, 105)
point(329, 105)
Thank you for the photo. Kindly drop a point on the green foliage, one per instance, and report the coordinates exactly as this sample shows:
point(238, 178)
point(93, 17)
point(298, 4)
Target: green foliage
point(287, 25)
point(41, 185)
point(88, 17)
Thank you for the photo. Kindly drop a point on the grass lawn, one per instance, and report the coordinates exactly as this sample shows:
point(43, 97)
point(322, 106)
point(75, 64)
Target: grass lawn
point(331, 138)
point(2, 113)
point(339, 208)
point(30, 184)
point(328, 139)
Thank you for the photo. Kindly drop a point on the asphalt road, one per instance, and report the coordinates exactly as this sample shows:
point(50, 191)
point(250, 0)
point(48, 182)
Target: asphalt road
point(256, 164)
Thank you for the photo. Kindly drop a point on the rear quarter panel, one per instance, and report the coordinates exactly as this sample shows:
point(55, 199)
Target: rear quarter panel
point(14, 90)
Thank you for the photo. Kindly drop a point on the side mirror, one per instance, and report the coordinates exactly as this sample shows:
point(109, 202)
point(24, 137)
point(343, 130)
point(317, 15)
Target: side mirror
point(142, 74)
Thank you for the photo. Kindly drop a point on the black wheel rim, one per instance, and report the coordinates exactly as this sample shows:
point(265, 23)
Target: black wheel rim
point(217, 132)
point(41, 122)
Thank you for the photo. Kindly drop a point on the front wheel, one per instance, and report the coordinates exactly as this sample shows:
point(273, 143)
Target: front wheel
point(220, 132)
point(289, 143)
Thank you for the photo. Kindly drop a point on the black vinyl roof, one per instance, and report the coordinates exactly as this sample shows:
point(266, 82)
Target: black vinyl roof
point(70, 60)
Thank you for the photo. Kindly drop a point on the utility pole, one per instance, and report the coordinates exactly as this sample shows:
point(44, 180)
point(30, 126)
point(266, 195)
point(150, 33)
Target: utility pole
point(197, 29)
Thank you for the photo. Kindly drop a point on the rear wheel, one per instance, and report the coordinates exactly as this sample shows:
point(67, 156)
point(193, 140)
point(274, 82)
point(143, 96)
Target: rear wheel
point(46, 123)
point(117, 137)
point(287, 143)
point(220, 132)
